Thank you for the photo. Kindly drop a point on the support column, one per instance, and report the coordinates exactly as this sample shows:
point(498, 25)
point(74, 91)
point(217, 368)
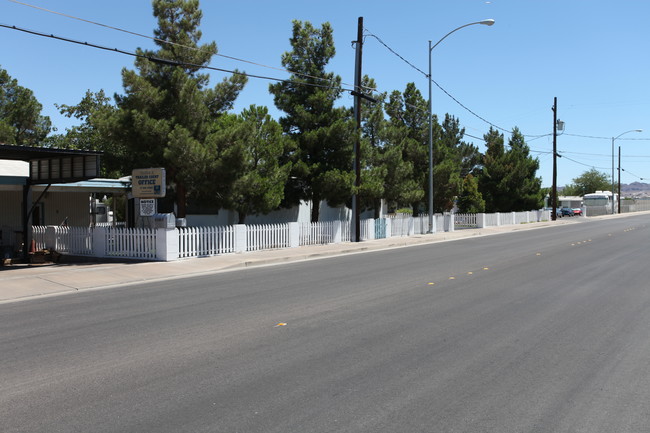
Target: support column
point(167, 245)
point(240, 238)
point(294, 235)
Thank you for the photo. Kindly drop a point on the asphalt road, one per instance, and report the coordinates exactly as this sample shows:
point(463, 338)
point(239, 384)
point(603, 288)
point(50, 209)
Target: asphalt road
point(539, 331)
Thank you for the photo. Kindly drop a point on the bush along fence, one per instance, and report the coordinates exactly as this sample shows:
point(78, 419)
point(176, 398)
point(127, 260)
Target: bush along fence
point(167, 244)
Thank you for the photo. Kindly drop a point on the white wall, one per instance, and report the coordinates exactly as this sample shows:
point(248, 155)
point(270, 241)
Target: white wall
point(299, 214)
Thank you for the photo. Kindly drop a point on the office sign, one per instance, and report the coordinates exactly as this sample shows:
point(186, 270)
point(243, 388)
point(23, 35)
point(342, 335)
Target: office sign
point(148, 183)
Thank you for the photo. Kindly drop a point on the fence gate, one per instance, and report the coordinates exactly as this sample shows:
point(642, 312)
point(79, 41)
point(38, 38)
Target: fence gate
point(380, 228)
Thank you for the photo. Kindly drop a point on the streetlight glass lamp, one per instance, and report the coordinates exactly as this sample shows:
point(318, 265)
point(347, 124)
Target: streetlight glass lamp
point(487, 22)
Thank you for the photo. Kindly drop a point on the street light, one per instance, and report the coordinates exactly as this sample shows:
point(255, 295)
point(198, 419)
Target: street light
point(488, 22)
point(614, 139)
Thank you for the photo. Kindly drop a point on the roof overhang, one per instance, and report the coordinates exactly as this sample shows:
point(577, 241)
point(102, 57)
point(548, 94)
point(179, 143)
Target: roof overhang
point(48, 166)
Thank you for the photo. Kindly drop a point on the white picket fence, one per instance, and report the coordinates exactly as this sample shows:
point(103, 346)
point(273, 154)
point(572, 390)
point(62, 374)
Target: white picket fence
point(73, 240)
point(205, 241)
point(38, 236)
point(401, 225)
point(465, 220)
point(133, 243)
point(320, 233)
point(492, 219)
point(267, 237)
point(97, 242)
point(185, 242)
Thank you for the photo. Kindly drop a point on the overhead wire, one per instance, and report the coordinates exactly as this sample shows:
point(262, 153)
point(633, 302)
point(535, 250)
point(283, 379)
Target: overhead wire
point(634, 175)
point(370, 34)
point(164, 61)
point(586, 165)
point(608, 138)
point(235, 72)
point(162, 41)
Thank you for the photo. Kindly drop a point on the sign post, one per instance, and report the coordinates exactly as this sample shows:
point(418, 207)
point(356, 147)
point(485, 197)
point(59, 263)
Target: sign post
point(147, 185)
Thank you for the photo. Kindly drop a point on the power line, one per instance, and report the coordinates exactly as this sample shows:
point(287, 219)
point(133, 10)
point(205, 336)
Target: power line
point(165, 61)
point(606, 138)
point(634, 175)
point(586, 165)
point(162, 41)
point(245, 61)
point(370, 34)
point(603, 154)
point(395, 52)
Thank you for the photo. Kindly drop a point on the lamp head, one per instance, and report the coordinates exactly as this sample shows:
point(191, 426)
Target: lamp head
point(487, 22)
point(638, 130)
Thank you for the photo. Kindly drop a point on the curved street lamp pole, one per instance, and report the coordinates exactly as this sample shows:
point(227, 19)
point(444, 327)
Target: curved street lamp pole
point(619, 162)
point(488, 22)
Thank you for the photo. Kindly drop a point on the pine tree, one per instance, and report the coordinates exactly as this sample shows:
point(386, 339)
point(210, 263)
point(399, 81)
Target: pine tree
point(408, 134)
point(373, 167)
point(248, 150)
point(470, 199)
point(454, 159)
point(21, 122)
point(508, 179)
point(322, 160)
point(168, 110)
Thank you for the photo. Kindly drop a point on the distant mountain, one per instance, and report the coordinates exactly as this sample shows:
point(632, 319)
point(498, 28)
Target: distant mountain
point(635, 189)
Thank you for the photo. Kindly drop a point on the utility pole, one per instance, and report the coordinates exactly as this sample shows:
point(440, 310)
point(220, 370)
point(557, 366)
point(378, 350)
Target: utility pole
point(619, 179)
point(554, 187)
point(357, 142)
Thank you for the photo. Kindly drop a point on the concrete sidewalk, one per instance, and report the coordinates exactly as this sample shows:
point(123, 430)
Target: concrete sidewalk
point(19, 282)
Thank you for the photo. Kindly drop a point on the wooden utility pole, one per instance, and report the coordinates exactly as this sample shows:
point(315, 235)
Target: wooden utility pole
point(554, 188)
point(357, 142)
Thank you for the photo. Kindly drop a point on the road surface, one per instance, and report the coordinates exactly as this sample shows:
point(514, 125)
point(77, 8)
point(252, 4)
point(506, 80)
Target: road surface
point(536, 331)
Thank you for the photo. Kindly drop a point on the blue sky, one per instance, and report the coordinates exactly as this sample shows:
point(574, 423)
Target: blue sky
point(591, 55)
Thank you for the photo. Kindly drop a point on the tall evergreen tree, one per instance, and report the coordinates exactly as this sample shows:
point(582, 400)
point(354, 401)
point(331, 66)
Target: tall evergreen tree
point(373, 167)
point(21, 122)
point(508, 179)
point(454, 159)
point(96, 131)
point(248, 151)
point(408, 130)
point(470, 199)
point(492, 170)
point(322, 160)
point(168, 109)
